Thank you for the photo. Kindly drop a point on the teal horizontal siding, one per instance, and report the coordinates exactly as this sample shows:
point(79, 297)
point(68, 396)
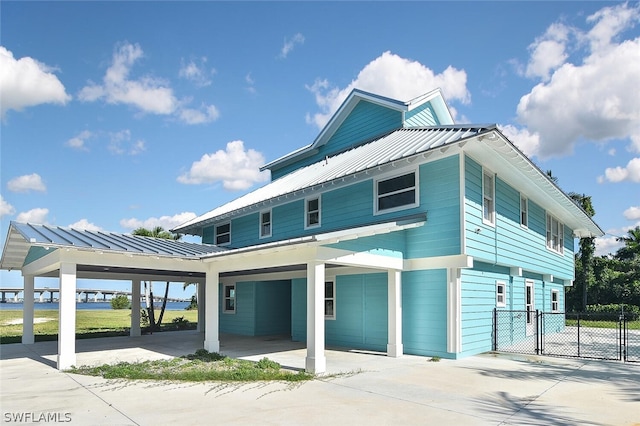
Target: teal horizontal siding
point(508, 243)
point(440, 199)
point(273, 308)
point(243, 320)
point(423, 116)
point(424, 312)
point(299, 310)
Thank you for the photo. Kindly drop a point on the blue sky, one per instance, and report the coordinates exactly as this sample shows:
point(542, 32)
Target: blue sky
point(117, 115)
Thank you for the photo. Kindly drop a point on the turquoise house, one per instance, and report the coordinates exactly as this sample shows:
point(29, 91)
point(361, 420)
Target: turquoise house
point(396, 230)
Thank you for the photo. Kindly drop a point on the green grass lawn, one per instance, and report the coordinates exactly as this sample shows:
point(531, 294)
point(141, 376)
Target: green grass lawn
point(89, 323)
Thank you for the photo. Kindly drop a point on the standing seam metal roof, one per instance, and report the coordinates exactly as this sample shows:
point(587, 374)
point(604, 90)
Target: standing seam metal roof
point(401, 143)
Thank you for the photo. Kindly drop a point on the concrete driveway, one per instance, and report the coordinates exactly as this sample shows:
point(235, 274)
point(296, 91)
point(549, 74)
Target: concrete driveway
point(361, 389)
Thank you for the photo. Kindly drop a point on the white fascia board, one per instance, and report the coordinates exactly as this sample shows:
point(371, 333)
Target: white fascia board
point(439, 262)
point(358, 259)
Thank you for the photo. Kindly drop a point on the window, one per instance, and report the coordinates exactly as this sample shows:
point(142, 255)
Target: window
point(524, 211)
point(396, 193)
point(555, 234)
point(265, 224)
point(229, 299)
point(329, 300)
point(554, 301)
point(488, 198)
point(312, 212)
point(223, 234)
point(501, 294)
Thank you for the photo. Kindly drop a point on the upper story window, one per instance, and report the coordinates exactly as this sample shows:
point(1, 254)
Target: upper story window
point(396, 193)
point(223, 234)
point(488, 198)
point(312, 212)
point(265, 224)
point(555, 234)
point(524, 211)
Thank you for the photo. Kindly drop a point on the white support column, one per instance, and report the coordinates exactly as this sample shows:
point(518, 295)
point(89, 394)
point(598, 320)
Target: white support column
point(135, 308)
point(27, 310)
point(200, 297)
point(212, 303)
point(315, 361)
point(67, 317)
point(394, 284)
point(454, 311)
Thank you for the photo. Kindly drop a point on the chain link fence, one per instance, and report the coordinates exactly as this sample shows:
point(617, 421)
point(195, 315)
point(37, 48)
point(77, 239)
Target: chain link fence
point(579, 335)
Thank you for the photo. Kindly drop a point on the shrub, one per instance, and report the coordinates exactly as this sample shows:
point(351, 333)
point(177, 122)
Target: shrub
point(180, 323)
point(120, 302)
point(613, 311)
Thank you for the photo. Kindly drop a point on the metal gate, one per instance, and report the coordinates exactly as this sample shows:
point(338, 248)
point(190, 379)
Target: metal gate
point(577, 335)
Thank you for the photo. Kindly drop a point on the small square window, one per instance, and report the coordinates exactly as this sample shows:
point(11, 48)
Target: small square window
point(501, 294)
point(396, 193)
point(223, 234)
point(229, 299)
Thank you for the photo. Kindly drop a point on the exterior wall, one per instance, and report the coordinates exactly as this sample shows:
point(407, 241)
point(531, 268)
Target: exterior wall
point(423, 116)
point(508, 243)
point(262, 309)
point(424, 312)
point(361, 312)
point(366, 121)
point(36, 253)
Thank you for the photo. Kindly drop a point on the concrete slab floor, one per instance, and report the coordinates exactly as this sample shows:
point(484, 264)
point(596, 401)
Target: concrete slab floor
point(369, 389)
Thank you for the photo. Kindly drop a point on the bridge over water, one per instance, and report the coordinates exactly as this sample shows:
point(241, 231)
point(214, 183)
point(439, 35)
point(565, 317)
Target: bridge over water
point(84, 295)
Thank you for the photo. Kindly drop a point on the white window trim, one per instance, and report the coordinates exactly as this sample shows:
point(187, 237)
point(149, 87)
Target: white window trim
point(560, 230)
point(557, 301)
point(215, 237)
point(492, 221)
point(333, 282)
point(224, 299)
point(388, 176)
point(260, 233)
point(500, 304)
point(306, 212)
point(524, 200)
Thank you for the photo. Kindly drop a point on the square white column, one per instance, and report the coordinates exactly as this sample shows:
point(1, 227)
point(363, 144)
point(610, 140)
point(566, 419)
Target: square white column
point(67, 317)
point(27, 310)
point(394, 285)
point(454, 311)
point(212, 332)
point(200, 298)
point(135, 331)
point(315, 361)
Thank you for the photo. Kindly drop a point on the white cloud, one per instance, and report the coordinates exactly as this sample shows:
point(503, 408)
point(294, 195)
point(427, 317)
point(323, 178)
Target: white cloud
point(121, 143)
point(632, 213)
point(166, 222)
point(146, 93)
point(527, 142)
point(25, 82)
point(607, 245)
point(84, 224)
point(630, 173)
point(6, 209)
point(197, 72)
point(392, 76)
point(589, 100)
point(235, 167)
point(78, 142)
point(290, 44)
point(548, 52)
point(38, 215)
point(26, 183)
point(206, 114)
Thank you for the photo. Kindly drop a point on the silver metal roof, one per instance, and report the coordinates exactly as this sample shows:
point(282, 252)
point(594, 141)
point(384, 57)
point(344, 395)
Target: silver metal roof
point(398, 145)
point(22, 236)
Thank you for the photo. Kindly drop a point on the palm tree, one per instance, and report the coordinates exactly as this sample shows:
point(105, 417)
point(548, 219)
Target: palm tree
point(157, 232)
point(631, 247)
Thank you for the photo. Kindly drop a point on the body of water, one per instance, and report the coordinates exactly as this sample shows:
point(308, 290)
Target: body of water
point(171, 306)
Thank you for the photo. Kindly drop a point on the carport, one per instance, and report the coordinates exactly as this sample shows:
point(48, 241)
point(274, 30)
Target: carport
point(70, 254)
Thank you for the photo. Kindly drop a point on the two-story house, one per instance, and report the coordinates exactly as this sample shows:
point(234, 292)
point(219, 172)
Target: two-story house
point(396, 230)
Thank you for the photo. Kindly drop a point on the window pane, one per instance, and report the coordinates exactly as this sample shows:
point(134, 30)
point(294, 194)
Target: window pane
point(397, 200)
point(314, 218)
point(312, 205)
point(328, 290)
point(230, 305)
point(396, 184)
point(328, 308)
